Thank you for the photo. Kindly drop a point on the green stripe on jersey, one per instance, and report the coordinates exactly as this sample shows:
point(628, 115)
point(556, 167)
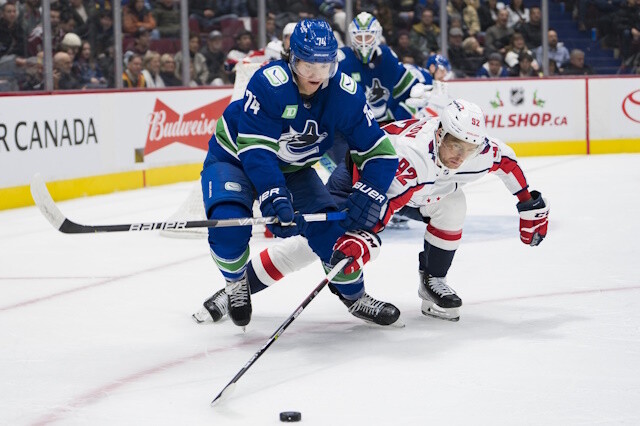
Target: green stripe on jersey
point(383, 149)
point(224, 139)
point(234, 265)
point(248, 142)
point(403, 85)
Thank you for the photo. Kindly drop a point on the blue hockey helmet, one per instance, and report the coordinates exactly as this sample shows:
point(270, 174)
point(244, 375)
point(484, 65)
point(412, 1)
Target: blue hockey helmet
point(313, 42)
point(439, 61)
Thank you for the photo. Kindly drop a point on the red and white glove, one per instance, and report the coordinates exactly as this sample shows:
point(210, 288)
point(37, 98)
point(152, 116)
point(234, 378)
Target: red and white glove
point(362, 246)
point(534, 218)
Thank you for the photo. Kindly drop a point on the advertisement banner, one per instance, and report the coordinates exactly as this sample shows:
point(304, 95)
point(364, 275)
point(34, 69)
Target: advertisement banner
point(75, 135)
point(614, 109)
point(529, 110)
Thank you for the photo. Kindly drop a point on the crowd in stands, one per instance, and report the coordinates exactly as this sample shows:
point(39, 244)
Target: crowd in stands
point(486, 38)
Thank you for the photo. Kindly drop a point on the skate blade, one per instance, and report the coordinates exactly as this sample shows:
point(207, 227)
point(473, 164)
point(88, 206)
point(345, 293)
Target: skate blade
point(202, 317)
point(397, 324)
point(448, 314)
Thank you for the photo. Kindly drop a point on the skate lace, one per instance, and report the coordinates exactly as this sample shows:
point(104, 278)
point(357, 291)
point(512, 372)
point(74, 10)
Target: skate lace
point(221, 303)
point(368, 305)
point(439, 286)
point(238, 293)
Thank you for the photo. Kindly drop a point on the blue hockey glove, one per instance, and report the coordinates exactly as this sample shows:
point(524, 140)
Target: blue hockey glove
point(277, 202)
point(364, 205)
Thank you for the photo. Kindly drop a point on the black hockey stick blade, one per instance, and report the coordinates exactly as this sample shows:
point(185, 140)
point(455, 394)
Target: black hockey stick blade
point(50, 210)
point(228, 389)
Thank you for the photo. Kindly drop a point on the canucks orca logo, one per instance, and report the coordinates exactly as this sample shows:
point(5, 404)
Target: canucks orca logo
point(295, 146)
point(377, 97)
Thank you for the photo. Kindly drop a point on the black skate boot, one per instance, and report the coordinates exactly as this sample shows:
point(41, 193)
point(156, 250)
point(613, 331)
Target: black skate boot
point(214, 308)
point(371, 310)
point(438, 299)
point(239, 301)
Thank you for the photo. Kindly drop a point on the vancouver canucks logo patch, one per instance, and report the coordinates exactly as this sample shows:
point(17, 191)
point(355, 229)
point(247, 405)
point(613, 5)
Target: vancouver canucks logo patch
point(295, 146)
point(377, 97)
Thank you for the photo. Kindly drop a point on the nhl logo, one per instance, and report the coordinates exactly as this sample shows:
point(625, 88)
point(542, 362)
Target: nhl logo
point(517, 96)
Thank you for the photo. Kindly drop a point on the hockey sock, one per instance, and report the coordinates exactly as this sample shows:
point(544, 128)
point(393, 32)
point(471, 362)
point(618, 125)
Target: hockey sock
point(350, 286)
point(435, 261)
point(254, 282)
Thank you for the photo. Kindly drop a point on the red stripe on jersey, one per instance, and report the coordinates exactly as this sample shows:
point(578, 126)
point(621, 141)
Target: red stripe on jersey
point(399, 202)
point(398, 127)
point(268, 266)
point(507, 165)
point(444, 235)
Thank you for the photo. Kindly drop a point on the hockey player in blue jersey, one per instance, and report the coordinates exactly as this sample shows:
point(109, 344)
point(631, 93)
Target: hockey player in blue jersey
point(375, 67)
point(263, 148)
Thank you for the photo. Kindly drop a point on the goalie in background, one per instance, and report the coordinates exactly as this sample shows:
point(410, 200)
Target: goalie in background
point(438, 156)
point(266, 144)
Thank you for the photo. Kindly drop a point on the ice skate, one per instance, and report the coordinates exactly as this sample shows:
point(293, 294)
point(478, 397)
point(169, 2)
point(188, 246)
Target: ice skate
point(239, 301)
point(398, 222)
point(371, 310)
point(438, 299)
point(213, 309)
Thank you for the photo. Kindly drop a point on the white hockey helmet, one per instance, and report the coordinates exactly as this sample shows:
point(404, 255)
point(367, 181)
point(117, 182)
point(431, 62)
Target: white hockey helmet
point(465, 121)
point(364, 36)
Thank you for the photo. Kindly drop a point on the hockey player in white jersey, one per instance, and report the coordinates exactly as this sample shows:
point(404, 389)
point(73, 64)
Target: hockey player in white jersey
point(438, 157)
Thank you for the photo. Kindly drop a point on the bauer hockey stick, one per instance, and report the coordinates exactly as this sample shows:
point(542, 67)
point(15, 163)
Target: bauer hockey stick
point(227, 390)
point(50, 210)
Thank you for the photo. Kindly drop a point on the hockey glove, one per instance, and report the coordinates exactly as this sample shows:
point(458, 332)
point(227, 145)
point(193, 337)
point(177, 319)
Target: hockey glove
point(419, 95)
point(359, 245)
point(534, 215)
point(277, 202)
point(364, 205)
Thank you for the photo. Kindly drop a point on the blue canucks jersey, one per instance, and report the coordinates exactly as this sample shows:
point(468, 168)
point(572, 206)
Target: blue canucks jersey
point(275, 130)
point(386, 82)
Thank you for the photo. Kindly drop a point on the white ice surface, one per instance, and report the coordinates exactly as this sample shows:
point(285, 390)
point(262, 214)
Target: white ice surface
point(97, 329)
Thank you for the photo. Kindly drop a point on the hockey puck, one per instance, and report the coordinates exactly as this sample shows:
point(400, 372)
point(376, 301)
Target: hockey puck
point(290, 416)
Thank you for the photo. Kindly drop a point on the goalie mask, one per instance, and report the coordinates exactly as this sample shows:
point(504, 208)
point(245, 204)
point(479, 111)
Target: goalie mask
point(461, 136)
point(313, 50)
point(364, 36)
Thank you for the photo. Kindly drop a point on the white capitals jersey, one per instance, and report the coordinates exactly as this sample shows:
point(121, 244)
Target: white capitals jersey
point(420, 182)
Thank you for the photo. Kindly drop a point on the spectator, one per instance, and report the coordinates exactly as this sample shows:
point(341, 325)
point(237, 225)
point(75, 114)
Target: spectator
point(515, 48)
point(242, 49)
point(488, 13)
point(168, 71)
point(385, 16)
point(493, 67)
point(532, 30)
point(497, 36)
point(275, 49)
point(33, 78)
point(214, 57)
point(553, 68)
point(203, 12)
point(232, 8)
point(34, 41)
point(140, 45)
point(424, 35)
point(132, 76)
point(167, 17)
point(136, 16)
point(474, 56)
point(106, 63)
point(557, 51)
point(81, 16)
point(468, 14)
point(62, 77)
point(626, 22)
point(101, 33)
point(71, 44)
point(576, 65)
point(197, 59)
point(523, 68)
point(403, 48)
point(455, 52)
point(518, 14)
point(12, 39)
point(151, 71)
point(29, 15)
point(86, 69)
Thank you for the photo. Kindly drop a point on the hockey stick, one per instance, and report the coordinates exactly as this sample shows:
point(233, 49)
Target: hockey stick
point(50, 210)
point(227, 390)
